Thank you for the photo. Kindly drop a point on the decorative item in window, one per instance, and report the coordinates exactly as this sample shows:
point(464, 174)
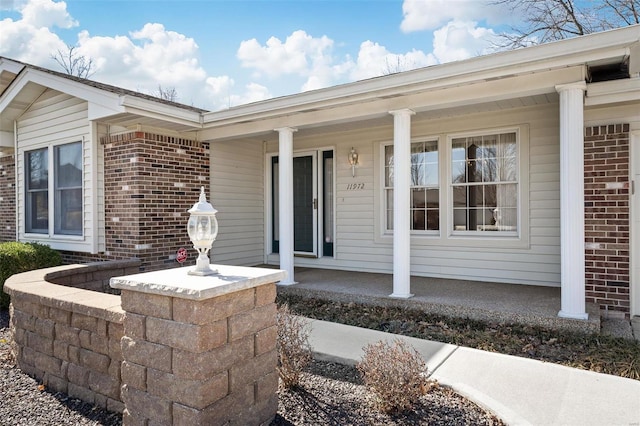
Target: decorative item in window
point(353, 160)
point(203, 230)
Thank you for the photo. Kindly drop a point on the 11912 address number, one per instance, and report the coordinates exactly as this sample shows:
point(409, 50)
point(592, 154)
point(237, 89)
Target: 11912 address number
point(355, 186)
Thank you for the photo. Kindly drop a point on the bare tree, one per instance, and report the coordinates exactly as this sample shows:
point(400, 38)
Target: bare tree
point(73, 63)
point(400, 65)
point(168, 93)
point(550, 20)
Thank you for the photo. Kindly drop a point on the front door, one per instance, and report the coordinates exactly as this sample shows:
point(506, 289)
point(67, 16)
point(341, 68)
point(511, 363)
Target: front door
point(313, 204)
point(305, 204)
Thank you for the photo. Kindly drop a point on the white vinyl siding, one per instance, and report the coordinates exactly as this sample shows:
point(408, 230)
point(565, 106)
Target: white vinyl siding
point(238, 195)
point(532, 257)
point(57, 119)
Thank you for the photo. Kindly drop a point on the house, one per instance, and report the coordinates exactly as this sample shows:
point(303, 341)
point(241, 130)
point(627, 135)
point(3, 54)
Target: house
point(515, 167)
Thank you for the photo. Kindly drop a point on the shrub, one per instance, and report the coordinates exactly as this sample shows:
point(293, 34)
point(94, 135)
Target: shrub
point(294, 351)
point(21, 257)
point(395, 373)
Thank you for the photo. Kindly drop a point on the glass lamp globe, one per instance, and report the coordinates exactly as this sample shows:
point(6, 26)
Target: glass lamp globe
point(202, 229)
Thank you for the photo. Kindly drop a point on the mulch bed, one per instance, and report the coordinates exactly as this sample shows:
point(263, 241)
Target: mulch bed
point(333, 394)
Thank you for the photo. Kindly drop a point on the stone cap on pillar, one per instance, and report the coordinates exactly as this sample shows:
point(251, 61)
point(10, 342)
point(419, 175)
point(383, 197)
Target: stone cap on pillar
point(177, 283)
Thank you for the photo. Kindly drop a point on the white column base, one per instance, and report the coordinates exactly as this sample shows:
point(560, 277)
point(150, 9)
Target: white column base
point(401, 296)
point(285, 283)
point(581, 316)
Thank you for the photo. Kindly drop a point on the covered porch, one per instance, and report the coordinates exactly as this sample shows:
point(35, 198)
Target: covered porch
point(485, 301)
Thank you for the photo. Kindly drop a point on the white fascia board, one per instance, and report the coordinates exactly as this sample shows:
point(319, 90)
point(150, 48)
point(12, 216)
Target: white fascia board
point(148, 108)
point(615, 91)
point(107, 101)
point(10, 66)
point(580, 50)
point(431, 100)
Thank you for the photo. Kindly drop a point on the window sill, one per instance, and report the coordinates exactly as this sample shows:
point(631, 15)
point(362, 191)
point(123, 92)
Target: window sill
point(77, 243)
point(486, 239)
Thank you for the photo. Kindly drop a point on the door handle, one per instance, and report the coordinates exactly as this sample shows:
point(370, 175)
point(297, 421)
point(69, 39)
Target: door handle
point(315, 204)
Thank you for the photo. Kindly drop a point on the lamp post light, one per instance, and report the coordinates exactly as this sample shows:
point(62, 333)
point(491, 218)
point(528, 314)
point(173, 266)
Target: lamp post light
point(202, 229)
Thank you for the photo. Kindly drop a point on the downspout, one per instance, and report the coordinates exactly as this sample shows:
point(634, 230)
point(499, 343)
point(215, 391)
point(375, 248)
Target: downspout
point(266, 204)
point(95, 228)
point(15, 170)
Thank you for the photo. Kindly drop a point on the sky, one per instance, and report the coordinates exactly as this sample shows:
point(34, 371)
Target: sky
point(222, 53)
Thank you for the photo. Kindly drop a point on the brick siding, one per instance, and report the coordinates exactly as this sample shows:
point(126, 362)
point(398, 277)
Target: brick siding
point(606, 186)
point(7, 198)
point(150, 183)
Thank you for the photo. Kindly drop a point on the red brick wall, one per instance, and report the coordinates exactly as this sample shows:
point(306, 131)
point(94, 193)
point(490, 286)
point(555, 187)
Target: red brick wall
point(150, 183)
point(7, 198)
point(606, 185)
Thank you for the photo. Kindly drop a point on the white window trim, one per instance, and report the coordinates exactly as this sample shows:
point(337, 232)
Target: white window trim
point(476, 234)
point(446, 239)
point(421, 233)
point(56, 241)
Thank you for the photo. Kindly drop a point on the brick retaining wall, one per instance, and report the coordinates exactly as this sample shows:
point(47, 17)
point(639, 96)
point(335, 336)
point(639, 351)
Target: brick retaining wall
point(184, 350)
point(68, 337)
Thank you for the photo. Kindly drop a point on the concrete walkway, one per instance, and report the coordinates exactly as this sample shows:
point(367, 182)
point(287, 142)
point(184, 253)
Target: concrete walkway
point(521, 391)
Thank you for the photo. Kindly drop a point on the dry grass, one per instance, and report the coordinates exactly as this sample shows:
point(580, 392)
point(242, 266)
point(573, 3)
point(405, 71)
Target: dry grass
point(294, 351)
point(598, 353)
point(395, 373)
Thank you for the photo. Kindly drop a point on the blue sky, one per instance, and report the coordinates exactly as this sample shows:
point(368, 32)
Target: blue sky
point(220, 53)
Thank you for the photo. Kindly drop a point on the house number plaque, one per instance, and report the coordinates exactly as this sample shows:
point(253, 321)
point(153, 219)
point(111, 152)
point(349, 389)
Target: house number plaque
point(355, 186)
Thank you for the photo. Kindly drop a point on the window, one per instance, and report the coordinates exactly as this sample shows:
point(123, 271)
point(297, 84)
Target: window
point(37, 191)
point(64, 180)
point(484, 180)
point(425, 190)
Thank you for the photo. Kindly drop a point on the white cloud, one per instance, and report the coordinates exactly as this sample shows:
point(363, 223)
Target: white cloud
point(375, 60)
point(299, 55)
point(24, 42)
point(148, 58)
point(46, 13)
point(296, 55)
point(459, 40)
point(419, 15)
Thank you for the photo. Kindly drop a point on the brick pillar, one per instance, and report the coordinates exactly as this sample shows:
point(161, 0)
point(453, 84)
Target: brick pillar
point(606, 151)
point(199, 350)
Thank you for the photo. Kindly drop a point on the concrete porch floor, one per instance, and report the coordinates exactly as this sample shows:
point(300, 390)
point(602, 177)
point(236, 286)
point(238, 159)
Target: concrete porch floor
point(486, 301)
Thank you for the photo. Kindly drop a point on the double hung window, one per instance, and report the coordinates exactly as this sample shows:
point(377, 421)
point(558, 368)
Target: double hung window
point(425, 187)
point(481, 171)
point(484, 181)
point(53, 190)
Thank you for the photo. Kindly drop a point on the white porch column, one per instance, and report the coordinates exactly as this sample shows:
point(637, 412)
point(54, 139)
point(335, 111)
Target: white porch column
point(401, 201)
point(285, 176)
point(572, 200)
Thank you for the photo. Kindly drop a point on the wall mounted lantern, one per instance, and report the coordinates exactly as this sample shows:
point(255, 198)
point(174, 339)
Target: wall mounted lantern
point(202, 229)
point(353, 160)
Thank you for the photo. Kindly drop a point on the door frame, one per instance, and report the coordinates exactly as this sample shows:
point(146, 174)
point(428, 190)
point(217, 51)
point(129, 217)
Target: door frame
point(318, 195)
point(634, 231)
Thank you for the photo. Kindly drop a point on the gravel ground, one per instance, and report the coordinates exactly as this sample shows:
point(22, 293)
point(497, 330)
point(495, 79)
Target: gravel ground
point(25, 402)
point(331, 394)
